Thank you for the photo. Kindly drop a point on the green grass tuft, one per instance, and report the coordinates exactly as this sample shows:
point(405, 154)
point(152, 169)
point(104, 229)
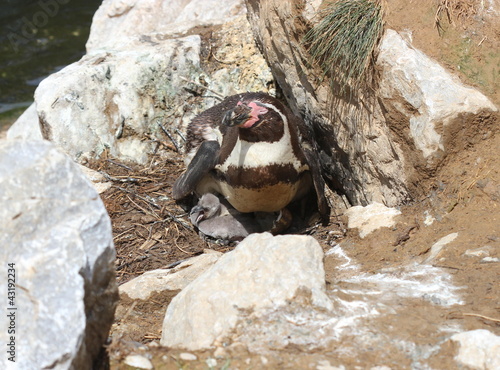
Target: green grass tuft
point(343, 41)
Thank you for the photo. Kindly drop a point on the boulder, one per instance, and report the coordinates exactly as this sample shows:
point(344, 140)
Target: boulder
point(55, 232)
point(27, 126)
point(261, 272)
point(143, 75)
point(425, 93)
point(117, 23)
point(113, 101)
point(177, 278)
point(375, 146)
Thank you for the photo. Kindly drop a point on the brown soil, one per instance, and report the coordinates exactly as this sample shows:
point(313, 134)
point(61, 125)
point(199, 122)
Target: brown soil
point(151, 231)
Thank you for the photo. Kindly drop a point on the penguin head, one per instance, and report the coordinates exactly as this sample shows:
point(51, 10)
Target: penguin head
point(208, 207)
point(246, 114)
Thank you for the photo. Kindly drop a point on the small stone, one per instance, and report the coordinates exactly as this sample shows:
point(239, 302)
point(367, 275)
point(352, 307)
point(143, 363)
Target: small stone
point(186, 356)
point(370, 218)
point(439, 245)
point(429, 220)
point(220, 352)
point(138, 361)
point(478, 252)
point(264, 360)
point(479, 349)
point(325, 365)
point(211, 362)
point(490, 260)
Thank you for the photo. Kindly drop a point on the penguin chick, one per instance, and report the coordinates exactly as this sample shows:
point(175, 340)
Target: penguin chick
point(217, 219)
point(213, 218)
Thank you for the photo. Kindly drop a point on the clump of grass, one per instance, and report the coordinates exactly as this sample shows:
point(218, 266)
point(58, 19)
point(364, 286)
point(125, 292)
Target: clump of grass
point(343, 41)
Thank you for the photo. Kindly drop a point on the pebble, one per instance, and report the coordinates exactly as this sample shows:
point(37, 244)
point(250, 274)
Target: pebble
point(220, 352)
point(325, 365)
point(138, 361)
point(211, 362)
point(439, 245)
point(490, 260)
point(187, 356)
point(429, 220)
point(478, 252)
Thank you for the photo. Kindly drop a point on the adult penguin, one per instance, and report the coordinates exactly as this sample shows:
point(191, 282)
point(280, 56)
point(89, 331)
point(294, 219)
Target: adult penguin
point(254, 151)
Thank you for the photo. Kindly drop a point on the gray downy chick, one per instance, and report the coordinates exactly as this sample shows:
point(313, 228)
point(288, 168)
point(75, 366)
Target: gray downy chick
point(216, 218)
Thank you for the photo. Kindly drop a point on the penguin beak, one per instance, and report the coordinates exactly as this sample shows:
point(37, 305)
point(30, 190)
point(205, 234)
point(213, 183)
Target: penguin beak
point(237, 116)
point(199, 212)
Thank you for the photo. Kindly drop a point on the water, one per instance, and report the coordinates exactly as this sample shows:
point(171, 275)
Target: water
point(37, 38)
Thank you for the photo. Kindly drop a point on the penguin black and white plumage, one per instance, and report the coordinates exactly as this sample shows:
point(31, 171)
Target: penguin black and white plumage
point(252, 150)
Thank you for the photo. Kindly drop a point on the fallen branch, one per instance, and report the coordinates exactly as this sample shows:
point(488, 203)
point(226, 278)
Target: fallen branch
point(177, 147)
point(119, 164)
point(482, 317)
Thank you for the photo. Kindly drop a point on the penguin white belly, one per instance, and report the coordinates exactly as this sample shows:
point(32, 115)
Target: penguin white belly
point(270, 198)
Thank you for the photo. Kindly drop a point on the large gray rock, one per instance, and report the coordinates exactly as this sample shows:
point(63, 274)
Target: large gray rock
point(113, 100)
point(374, 147)
point(262, 272)
point(55, 230)
point(117, 23)
point(27, 126)
point(143, 71)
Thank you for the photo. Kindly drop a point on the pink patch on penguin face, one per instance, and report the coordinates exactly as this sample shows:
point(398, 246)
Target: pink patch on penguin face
point(256, 111)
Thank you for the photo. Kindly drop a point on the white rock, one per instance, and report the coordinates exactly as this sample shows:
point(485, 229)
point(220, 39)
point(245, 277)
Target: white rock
point(325, 365)
point(99, 181)
point(110, 100)
point(117, 23)
point(27, 126)
point(490, 260)
point(187, 356)
point(263, 271)
point(479, 349)
point(55, 229)
point(211, 363)
point(370, 218)
point(437, 97)
point(429, 219)
point(479, 252)
point(138, 361)
point(176, 278)
point(439, 245)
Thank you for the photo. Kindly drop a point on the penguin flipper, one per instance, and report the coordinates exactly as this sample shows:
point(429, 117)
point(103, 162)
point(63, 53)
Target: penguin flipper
point(204, 160)
point(319, 185)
